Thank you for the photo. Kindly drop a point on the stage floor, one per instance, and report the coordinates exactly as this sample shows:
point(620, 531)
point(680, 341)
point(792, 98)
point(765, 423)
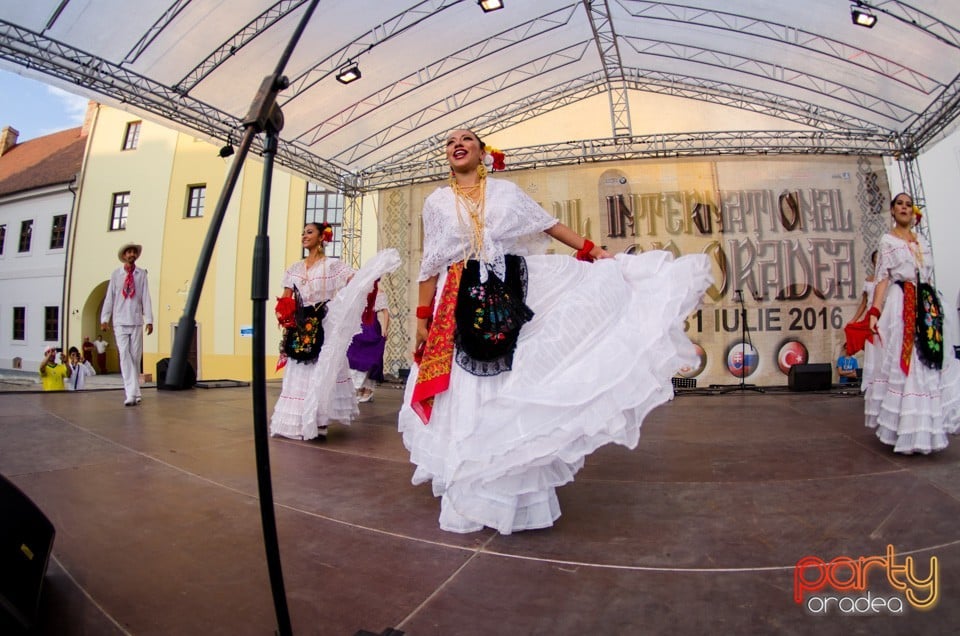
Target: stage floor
point(698, 530)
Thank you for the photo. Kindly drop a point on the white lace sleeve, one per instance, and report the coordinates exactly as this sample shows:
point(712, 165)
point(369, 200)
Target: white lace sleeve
point(340, 274)
point(532, 222)
point(380, 301)
point(926, 267)
point(437, 238)
point(288, 277)
point(515, 225)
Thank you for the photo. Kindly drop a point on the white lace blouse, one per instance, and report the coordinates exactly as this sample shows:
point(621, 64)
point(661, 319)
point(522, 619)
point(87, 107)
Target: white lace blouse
point(869, 287)
point(320, 282)
point(514, 224)
point(898, 261)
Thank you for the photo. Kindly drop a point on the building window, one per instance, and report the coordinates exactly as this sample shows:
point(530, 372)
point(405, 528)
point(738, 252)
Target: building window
point(196, 196)
point(325, 206)
point(121, 205)
point(19, 323)
point(26, 232)
point(51, 324)
point(3, 237)
point(58, 232)
point(132, 136)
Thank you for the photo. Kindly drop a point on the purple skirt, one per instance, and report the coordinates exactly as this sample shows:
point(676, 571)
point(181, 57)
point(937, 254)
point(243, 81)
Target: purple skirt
point(366, 351)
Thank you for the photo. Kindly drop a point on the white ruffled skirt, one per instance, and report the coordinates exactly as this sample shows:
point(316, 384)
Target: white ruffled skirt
point(915, 412)
point(599, 354)
point(315, 394)
point(870, 357)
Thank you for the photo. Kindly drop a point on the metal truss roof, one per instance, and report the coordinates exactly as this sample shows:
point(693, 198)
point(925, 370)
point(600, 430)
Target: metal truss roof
point(432, 65)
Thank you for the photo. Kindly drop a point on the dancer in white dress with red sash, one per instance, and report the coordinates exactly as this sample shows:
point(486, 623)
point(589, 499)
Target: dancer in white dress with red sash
point(598, 344)
point(911, 402)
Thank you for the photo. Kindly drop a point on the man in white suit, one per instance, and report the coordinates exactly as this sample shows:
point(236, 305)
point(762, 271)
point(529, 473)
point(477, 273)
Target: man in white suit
point(128, 303)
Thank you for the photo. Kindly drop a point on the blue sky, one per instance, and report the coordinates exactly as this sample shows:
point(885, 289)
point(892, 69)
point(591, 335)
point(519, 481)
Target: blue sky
point(36, 109)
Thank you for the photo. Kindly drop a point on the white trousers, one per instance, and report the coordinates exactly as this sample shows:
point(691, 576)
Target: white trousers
point(361, 379)
point(130, 348)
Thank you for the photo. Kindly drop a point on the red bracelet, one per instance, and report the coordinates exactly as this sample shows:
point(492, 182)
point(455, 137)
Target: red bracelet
point(424, 311)
point(583, 254)
point(873, 311)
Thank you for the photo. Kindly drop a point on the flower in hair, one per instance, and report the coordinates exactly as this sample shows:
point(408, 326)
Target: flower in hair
point(917, 215)
point(494, 159)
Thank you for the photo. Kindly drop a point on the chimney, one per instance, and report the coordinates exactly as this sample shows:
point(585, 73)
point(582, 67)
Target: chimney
point(8, 139)
point(89, 118)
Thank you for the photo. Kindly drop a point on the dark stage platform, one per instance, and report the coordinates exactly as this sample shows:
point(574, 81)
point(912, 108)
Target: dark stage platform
point(696, 531)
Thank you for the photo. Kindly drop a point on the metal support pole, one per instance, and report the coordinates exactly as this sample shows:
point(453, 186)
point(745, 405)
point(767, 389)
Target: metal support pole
point(260, 282)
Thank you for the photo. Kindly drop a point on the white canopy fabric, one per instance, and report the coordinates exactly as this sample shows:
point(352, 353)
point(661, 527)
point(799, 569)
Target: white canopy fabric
point(431, 65)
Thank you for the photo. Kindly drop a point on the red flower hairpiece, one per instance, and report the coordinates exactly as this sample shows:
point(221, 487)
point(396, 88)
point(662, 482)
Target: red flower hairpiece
point(495, 159)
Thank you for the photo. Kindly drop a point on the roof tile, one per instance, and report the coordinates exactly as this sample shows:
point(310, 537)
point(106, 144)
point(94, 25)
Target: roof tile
point(43, 161)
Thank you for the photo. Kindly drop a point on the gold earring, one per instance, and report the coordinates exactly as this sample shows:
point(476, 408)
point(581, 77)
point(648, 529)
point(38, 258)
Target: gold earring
point(481, 171)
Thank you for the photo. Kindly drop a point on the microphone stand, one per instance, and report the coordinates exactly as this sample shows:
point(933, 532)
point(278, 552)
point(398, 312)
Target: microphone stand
point(264, 117)
point(744, 340)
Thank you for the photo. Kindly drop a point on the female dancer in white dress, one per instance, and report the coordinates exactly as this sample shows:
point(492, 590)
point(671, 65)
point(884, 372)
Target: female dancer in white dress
point(912, 405)
point(315, 393)
point(596, 356)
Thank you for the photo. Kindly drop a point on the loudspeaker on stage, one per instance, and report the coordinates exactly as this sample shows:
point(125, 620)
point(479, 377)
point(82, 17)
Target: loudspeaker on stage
point(810, 377)
point(190, 376)
point(26, 539)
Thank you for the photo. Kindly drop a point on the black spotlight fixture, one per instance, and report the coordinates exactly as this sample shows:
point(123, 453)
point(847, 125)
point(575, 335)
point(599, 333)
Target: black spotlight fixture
point(862, 17)
point(349, 73)
point(226, 151)
point(490, 5)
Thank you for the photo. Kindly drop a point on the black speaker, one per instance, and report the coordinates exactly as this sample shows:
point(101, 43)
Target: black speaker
point(810, 377)
point(190, 376)
point(26, 538)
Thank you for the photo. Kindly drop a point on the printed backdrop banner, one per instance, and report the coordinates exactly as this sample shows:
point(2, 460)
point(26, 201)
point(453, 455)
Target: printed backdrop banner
point(789, 240)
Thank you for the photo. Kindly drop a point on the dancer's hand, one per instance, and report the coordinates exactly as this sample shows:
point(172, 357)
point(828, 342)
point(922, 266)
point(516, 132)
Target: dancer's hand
point(422, 332)
point(418, 353)
point(599, 252)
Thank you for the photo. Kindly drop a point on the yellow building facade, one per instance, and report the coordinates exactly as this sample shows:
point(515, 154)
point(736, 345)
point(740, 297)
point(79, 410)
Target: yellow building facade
point(143, 183)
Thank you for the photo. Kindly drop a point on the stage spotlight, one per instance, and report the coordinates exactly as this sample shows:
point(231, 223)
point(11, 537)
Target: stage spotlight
point(862, 17)
point(226, 151)
point(490, 5)
point(349, 73)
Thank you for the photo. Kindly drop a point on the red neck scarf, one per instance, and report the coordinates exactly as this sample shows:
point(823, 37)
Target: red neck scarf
point(128, 287)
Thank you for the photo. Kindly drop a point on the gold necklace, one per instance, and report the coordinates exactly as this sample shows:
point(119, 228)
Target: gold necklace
point(476, 211)
point(906, 235)
point(914, 247)
point(469, 190)
point(311, 262)
point(912, 244)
